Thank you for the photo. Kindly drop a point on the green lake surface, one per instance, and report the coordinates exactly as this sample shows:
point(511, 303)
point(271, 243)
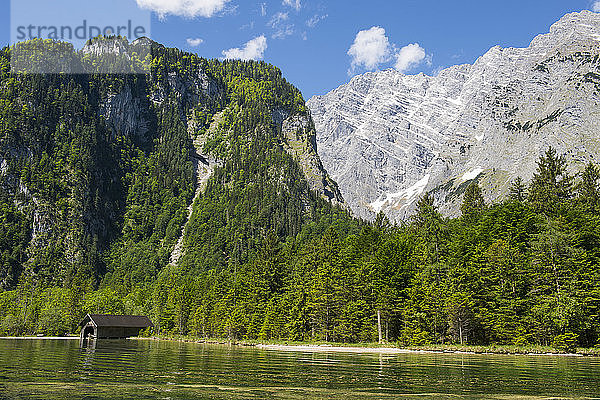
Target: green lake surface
point(133, 369)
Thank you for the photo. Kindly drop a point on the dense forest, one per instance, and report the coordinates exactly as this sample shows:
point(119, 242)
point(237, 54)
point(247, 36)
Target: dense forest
point(89, 216)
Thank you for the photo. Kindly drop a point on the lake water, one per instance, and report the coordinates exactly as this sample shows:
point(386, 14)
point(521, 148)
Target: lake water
point(131, 369)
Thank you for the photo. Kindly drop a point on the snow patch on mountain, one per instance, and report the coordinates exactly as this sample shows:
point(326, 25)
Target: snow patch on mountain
point(469, 176)
point(408, 196)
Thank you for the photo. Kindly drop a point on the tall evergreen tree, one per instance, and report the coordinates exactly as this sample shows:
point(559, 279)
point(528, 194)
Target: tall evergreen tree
point(518, 190)
point(473, 202)
point(552, 184)
point(430, 224)
point(588, 189)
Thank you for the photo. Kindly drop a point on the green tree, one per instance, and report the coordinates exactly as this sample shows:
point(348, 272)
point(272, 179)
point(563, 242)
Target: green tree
point(518, 190)
point(588, 189)
point(551, 184)
point(430, 224)
point(473, 202)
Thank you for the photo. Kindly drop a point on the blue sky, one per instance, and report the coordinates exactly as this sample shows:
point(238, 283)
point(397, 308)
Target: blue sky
point(319, 44)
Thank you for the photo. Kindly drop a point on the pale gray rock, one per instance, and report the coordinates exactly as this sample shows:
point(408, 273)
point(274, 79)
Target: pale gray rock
point(123, 114)
point(300, 134)
point(102, 47)
point(115, 55)
point(386, 138)
point(3, 166)
point(204, 167)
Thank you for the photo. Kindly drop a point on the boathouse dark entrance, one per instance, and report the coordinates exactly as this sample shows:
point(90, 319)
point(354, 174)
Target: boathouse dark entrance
point(88, 332)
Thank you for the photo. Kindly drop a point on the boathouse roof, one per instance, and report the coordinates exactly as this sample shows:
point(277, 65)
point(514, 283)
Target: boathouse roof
point(124, 321)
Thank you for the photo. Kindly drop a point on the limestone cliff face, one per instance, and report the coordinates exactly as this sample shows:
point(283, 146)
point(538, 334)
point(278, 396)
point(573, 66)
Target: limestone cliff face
point(386, 137)
point(301, 143)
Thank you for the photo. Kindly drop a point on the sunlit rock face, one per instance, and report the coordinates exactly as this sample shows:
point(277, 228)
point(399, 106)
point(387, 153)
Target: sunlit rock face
point(386, 137)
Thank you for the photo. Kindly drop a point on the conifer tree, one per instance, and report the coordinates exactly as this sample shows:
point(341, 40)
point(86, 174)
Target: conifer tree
point(430, 224)
point(473, 202)
point(382, 223)
point(588, 189)
point(518, 190)
point(551, 184)
point(426, 211)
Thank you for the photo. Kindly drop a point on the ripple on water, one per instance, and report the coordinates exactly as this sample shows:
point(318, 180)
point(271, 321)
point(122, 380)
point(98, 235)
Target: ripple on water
point(143, 369)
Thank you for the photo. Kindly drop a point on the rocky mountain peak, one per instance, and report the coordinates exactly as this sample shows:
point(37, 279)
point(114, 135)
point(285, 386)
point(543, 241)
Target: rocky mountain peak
point(106, 45)
point(386, 137)
point(578, 24)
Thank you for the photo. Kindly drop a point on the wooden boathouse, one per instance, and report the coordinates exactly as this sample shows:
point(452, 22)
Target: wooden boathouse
point(99, 326)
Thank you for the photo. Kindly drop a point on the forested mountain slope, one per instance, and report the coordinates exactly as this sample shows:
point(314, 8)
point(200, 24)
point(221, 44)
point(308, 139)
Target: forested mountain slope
point(98, 170)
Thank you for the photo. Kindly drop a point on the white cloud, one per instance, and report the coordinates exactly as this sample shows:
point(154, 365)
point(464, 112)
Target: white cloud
point(596, 6)
point(263, 9)
point(278, 19)
point(409, 57)
point(283, 32)
point(195, 42)
point(231, 10)
point(429, 59)
point(295, 4)
point(184, 8)
point(249, 25)
point(253, 50)
point(282, 28)
point(311, 23)
point(370, 49)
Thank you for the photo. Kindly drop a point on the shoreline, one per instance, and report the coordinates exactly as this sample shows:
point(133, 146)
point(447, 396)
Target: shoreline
point(375, 348)
point(39, 337)
point(367, 348)
point(341, 349)
point(398, 350)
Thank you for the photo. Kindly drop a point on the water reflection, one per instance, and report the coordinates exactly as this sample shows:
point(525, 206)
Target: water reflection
point(116, 369)
point(87, 342)
point(88, 347)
